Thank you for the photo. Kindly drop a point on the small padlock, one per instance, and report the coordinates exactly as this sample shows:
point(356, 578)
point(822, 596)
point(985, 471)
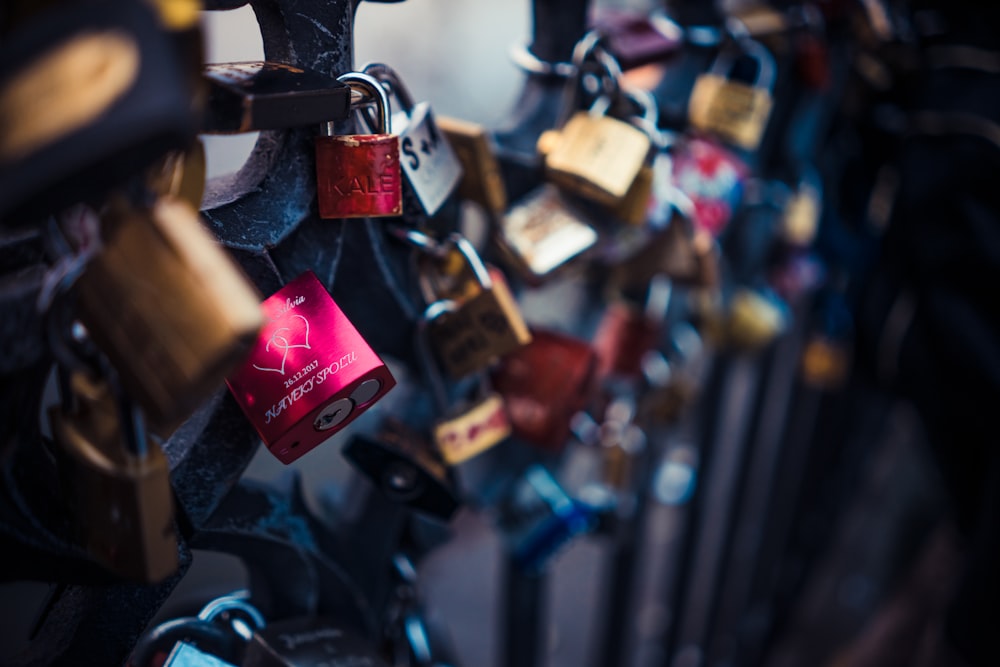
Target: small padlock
point(168, 306)
point(672, 383)
point(597, 157)
point(465, 429)
point(828, 350)
point(544, 384)
point(481, 181)
point(406, 468)
point(309, 374)
point(801, 215)
point(431, 167)
point(688, 257)
point(755, 318)
point(543, 233)
point(310, 640)
point(358, 175)
point(627, 331)
point(117, 480)
point(482, 324)
point(252, 96)
point(637, 38)
point(735, 111)
point(180, 174)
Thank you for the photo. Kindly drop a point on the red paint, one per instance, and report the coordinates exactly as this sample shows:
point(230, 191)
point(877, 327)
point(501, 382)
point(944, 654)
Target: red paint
point(358, 176)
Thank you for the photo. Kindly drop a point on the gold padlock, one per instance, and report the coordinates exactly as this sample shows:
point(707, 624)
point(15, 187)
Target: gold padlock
point(180, 174)
point(168, 306)
point(735, 111)
point(634, 206)
point(120, 498)
point(481, 180)
point(543, 233)
point(597, 157)
point(473, 327)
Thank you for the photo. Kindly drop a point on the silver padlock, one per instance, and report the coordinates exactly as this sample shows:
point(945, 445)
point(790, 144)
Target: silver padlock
point(428, 160)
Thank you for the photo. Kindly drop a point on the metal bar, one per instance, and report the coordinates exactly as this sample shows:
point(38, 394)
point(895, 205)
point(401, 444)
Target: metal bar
point(524, 603)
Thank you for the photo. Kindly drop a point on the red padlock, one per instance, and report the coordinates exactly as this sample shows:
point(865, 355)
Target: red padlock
point(544, 384)
point(358, 175)
point(309, 374)
point(628, 331)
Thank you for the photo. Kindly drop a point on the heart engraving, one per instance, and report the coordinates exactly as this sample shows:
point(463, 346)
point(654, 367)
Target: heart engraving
point(280, 342)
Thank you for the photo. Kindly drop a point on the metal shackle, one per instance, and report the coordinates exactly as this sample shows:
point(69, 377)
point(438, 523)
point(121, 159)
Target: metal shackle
point(393, 83)
point(371, 91)
point(766, 67)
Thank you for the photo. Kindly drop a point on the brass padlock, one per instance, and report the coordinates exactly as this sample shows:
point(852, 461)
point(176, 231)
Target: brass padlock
point(120, 496)
point(481, 181)
point(597, 157)
point(735, 111)
point(180, 174)
point(480, 323)
point(168, 306)
point(543, 233)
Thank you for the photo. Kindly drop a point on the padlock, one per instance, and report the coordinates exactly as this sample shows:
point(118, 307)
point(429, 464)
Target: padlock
point(309, 374)
point(168, 306)
point(310, 640)
point(538, 519)
point(712, 178)
point(755, 318)
point(479, 326)
point(117, 481)
point(672, 383)
point(801, 215)
point(358, 175)
point(465, 429)
point(253, 96)
point(217, 637)
point(406, 468)
point(628, 331)
point(544, 384)
point(89, 96)
point(431, 167)
point(735, 111)
point(690, 258)
point(543, 233)
point(481, 180)
point(828, 350)
point(597, 157)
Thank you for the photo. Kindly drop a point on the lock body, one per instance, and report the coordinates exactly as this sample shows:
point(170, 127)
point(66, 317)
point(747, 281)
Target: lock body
point(623, 337)
point(544, 384)
point(472, 432)
point(309, 374)
point(712, 178)
point(481, 180)
point(597, 157)
point(483, 327)
point(428, 161)
point(252, 96)
point(542, 233)
point(168, 306)
point(358, 176)
point(405, 467)
point(121, 501)
point(634, 207)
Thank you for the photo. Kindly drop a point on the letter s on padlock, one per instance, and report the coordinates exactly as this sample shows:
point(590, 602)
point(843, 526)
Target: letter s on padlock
point(310, 372)
point(358, 175)
point(428, 161)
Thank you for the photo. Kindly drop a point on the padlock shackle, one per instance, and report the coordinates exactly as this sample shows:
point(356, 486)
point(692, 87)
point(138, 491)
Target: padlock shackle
point(425, 355)
point(472, 258)
point(390, 79)
point(750, 48)
point(372, 91)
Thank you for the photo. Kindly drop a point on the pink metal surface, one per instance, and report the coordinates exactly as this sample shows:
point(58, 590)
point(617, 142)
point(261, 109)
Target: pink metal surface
point(358, 176)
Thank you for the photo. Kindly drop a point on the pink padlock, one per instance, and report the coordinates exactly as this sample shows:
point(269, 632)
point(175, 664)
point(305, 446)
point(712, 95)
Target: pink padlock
point(309, 374)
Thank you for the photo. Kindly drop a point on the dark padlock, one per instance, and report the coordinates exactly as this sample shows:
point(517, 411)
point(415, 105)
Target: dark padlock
point(405, 467)
point(638, 38)
point(544, 384)
point(308, 641)
point(90, 94)
point(484, 322)
point(359, 175)
point(310, 372)
point(117, 479)
point(251, 96)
